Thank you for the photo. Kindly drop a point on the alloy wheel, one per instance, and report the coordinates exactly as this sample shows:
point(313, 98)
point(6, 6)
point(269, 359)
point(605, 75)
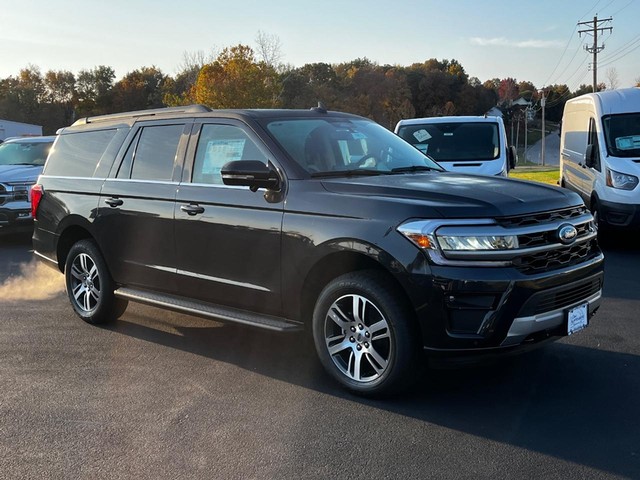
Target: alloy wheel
point(85, 283)
point(358, 338)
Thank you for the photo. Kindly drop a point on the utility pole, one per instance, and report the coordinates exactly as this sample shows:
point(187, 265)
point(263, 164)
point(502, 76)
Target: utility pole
point(543, 102)
point(595, 48)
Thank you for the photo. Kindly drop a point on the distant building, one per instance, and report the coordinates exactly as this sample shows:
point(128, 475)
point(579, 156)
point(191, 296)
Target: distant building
point(494, 112)
point(18, 129)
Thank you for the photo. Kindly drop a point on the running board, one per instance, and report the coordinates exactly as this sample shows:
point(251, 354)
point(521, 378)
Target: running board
point(207, 310)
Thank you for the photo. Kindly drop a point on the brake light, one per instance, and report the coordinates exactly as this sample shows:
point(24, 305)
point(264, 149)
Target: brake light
point(36, 195)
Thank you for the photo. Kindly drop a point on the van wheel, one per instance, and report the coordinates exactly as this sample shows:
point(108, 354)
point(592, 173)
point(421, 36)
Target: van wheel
point(90, 286)
point(364, 334)
point(597, 220)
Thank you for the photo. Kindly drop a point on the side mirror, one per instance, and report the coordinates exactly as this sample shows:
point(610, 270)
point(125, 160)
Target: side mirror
point(590, 156)
point(512, 156)
point(250, 173)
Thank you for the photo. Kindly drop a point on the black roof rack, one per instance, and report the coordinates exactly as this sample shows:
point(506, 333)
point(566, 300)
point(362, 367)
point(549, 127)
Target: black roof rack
point(143, 113)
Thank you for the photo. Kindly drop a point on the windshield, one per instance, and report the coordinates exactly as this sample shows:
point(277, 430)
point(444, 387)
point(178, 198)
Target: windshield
point(622, 134)
point(333, 145)
point(455, 141)
point(24, 153)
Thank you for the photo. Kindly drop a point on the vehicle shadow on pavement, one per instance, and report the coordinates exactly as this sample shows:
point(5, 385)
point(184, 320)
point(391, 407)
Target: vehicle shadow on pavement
point(571, 402)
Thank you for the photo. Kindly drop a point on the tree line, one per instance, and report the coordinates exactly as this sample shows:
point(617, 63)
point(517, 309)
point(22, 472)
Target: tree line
point(237, 77)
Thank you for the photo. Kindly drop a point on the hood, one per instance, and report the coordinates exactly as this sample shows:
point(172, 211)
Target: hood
point(19, 173)
point(455, 195)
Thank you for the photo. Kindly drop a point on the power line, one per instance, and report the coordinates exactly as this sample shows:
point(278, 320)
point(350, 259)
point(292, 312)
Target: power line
point(614, 14)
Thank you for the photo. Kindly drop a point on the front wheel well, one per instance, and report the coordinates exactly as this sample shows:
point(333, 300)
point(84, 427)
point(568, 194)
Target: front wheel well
point(333, 266)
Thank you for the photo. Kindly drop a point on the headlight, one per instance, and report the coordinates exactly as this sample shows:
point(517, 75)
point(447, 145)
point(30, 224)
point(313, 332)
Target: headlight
point(461, 237)
point(621, 180)
point(475, 242)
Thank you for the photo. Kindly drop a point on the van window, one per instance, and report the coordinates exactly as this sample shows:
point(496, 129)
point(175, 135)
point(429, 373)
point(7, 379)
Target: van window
point(78, 154)
point(218, 145)
point(155, 155)
point(593, 140)
point(455, 141)
point(622, 134)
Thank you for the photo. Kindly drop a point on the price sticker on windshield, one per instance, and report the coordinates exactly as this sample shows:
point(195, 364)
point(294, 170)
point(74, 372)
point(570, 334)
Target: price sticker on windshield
point(577, 319)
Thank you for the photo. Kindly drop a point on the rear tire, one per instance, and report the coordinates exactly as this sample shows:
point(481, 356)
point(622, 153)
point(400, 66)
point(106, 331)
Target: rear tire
point(90, 286)
point(365, 334)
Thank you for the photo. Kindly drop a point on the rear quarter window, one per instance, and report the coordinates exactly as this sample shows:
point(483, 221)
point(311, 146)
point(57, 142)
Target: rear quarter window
point(78, 154)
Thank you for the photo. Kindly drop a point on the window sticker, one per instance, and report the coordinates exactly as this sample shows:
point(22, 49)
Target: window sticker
point(628, 143)
point(220, 152)
point(421, 135)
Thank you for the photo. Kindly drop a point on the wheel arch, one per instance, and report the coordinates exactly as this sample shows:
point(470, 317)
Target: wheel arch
point(334, 265)
point(69, 236)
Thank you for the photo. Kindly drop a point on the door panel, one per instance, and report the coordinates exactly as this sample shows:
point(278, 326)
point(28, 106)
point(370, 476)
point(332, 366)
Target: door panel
point(228, 239)
point(135, 221)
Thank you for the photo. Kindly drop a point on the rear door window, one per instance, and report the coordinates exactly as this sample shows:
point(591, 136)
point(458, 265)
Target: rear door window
point(153, 157)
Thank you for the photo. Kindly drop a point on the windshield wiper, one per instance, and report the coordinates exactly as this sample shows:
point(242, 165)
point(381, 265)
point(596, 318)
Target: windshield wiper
point(357, 172)
point(415, 168)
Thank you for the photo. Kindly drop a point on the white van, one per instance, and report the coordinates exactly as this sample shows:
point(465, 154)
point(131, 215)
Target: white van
point(461, 144)
point(600, 154)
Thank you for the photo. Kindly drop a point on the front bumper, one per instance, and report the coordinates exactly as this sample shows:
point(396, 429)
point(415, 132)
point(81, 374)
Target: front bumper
point(620, 215)
point(15, 220)
point(469, 310)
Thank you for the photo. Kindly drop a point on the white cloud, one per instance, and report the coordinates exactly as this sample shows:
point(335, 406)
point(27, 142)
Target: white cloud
point(504, 42)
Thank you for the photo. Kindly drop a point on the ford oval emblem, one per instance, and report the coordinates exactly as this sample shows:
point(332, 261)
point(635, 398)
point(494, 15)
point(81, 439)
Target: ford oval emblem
point(567, 233)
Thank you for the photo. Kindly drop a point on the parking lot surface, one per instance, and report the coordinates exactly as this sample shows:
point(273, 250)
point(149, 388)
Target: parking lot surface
point(164, 395)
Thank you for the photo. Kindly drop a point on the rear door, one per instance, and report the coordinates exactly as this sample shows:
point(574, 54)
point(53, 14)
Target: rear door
point(227, 238)
point(135, 211)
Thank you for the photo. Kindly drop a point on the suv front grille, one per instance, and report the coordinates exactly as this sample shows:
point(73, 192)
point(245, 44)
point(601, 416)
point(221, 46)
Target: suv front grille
point(539, 247)
point(561, 297)
point(14, 193)
point(554, 259)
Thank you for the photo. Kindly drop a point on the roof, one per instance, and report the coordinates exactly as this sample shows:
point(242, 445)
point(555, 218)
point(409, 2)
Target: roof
point(624, 100)
point(203, 111)
point(449, 119)
point(45, 139)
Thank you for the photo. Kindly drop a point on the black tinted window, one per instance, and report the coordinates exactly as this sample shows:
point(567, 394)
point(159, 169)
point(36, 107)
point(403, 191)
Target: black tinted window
point(78, 154)
point(155, 154)
point(220, 144)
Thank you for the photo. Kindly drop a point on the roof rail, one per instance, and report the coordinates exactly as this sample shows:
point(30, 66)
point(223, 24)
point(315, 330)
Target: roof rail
point(143, 113)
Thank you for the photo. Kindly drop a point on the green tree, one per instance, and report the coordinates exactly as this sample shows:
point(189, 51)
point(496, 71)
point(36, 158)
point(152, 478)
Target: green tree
point(95, 91)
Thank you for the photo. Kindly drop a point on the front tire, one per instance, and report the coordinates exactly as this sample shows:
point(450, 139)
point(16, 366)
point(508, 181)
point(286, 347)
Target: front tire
point(364, 334)
point(90, 286)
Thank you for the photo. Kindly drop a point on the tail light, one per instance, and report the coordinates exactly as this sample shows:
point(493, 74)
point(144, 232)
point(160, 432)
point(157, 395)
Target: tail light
point(36, 195)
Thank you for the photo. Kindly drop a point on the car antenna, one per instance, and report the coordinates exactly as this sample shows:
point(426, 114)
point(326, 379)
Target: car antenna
point(320, 108)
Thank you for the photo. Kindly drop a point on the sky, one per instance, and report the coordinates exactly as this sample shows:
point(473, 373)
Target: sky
point(536, 41)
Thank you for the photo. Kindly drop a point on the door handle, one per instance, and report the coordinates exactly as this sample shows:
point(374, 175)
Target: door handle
point(192, 209)
point(113, 202)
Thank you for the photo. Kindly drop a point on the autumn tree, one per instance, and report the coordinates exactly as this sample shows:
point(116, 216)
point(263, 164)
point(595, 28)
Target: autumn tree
point(236, 80)
point(139, 89)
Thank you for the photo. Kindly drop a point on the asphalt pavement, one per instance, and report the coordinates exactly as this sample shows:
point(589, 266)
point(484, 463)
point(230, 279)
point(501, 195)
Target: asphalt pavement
point(161, 395)
point(551, 151)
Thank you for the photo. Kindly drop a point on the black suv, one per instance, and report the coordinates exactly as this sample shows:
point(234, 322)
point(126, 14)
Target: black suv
point(284, 219)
